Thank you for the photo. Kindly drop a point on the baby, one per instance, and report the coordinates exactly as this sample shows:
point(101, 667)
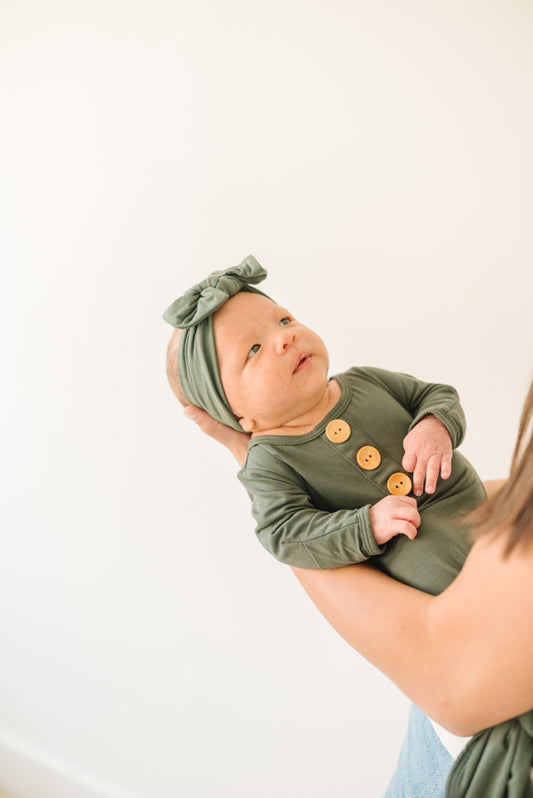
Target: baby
point(329, 460)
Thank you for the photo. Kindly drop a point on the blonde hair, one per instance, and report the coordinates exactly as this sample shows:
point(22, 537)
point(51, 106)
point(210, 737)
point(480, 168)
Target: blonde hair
point(172, 367)
point(511, 508)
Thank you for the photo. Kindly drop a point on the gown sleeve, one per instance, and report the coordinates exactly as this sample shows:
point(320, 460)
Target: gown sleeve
point(292, 529)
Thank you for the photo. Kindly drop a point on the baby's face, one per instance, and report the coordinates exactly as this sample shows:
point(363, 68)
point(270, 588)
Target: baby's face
point(273, 369)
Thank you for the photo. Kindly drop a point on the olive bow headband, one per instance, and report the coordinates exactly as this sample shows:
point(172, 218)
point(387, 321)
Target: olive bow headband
point(197, 356)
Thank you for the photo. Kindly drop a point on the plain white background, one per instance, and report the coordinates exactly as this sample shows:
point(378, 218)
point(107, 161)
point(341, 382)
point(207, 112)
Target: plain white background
point(376, 158)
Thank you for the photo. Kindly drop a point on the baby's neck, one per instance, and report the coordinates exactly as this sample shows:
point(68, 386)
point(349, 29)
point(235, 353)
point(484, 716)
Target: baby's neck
point(307, 422)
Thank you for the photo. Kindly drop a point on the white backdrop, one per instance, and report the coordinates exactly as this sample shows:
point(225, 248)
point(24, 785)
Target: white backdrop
point(376, 157)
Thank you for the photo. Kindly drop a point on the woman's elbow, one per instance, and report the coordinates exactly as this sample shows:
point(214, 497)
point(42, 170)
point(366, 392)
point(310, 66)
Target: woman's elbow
point(463, 707)
point(461, 720)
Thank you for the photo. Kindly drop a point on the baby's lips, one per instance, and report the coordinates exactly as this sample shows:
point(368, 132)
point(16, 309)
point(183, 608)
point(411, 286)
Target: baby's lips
point(301, 360)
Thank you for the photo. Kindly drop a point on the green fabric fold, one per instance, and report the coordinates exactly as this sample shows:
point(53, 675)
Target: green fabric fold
point(496, 763)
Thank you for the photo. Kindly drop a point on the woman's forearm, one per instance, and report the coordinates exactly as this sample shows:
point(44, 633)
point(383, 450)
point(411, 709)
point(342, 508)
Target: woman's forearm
point(451, 654)
point(466, 656)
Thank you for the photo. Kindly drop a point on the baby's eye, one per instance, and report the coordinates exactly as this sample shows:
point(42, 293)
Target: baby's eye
point(285, 320)
point(255, 348)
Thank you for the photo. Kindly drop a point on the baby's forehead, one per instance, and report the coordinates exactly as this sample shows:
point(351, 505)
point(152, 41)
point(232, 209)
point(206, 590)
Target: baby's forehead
point(255, 306)
point(250, 298)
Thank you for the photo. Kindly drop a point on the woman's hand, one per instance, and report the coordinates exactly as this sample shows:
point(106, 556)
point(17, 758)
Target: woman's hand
point(236, 442)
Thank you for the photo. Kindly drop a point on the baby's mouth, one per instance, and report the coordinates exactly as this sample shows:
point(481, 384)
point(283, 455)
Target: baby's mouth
point(301, 362)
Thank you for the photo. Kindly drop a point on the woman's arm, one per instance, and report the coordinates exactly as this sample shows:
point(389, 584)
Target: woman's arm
point(464, 657)
point(492, 486)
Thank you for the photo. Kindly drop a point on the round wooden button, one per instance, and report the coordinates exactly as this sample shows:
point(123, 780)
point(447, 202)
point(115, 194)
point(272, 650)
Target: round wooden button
point(399, 484)
point(338, 431)
point(368, 458)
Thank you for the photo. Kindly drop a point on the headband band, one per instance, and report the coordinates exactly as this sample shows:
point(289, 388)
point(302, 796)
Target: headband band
point(198, 370)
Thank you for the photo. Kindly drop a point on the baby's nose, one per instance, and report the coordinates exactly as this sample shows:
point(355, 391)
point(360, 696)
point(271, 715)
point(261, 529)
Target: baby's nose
point(284, 338)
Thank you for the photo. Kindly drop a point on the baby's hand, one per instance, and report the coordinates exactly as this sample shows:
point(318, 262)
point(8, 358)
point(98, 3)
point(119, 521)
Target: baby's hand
point(428, 452)
point(394, 515)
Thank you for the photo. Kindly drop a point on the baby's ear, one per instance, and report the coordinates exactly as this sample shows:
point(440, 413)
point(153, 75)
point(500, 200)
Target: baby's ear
point(248, 424)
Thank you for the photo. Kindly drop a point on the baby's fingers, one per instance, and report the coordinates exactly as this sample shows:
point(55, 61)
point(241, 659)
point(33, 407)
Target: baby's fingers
point(446, 466)
point(407, 510)
point(405, 528)
point(419, 475)
point(417, 467)
point(432, 472)
point(409, 461)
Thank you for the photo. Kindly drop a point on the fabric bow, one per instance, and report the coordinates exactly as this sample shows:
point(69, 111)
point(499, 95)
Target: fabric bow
point(197, 362)
point(206, 297)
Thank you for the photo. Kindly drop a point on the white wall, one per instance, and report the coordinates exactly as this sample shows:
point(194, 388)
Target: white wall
point(376, 158)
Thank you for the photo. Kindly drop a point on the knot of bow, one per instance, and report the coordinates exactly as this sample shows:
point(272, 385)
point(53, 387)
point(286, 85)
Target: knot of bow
point(204, 298)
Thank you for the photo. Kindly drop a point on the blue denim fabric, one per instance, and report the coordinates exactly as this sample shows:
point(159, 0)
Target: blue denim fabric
point(423, 763)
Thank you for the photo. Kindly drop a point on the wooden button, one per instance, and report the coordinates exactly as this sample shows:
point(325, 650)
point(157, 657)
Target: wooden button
point(399, 484)
point(338, 431)
point(368, 458)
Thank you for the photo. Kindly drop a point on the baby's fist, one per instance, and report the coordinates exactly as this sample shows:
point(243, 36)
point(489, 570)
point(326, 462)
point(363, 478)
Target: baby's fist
point(394, 515)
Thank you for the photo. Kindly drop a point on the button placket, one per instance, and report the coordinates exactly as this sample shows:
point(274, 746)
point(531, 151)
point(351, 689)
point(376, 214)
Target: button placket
point(368, 458)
